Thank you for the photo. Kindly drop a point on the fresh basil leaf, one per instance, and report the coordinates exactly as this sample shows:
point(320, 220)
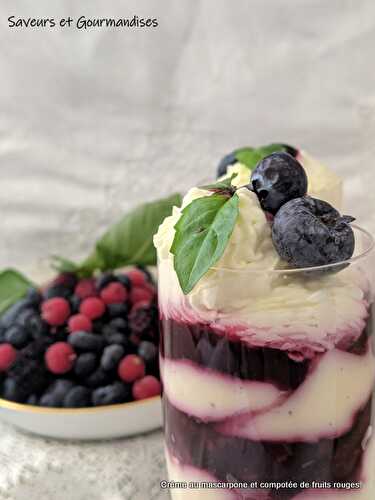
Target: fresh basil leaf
point(223, 185)
point(130, 240)
point(63, 265)
point(202, 234)
point(251, 157)
point(13, 286)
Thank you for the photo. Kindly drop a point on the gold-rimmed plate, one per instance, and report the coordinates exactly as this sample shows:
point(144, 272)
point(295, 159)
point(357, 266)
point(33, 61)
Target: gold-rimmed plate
point(102, 422)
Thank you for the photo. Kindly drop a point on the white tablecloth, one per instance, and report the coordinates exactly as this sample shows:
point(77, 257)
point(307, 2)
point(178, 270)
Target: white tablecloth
point(92, 122)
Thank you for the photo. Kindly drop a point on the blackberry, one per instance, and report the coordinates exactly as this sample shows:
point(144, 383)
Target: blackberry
point(77, 397)
point(140, 319)
point(111, 394)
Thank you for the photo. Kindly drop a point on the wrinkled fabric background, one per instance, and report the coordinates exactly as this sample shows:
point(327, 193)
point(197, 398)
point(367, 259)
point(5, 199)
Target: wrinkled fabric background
point(93, 122)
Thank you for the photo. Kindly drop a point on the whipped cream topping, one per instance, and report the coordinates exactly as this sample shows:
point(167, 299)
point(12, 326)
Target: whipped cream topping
point(265, 308)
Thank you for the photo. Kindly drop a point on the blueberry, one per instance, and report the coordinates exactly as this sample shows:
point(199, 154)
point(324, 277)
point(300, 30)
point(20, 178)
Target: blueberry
point(12, 391)
point(56, 392)
point(124, 280)
point(119, 325)
point(34, 296)
point(11, 314)
point(75, 302)
point(104, 279)
point(58, 290)
point(86, 341)
point(309, 232)
point(277, 179)
point(116, 310)
point(290, 150)
point(98, 378)
point(111, 356)
point(225, 162)
point(77, 397)
point(85, 364)
point(17, 336)
point(32, 400)
point(33, 323)
point(111, 394)
point(114, 337)
point(148, 351)
point(98, 325)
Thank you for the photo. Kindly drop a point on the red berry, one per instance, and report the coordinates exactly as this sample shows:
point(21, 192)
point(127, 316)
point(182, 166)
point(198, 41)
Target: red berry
point(114, 293)
point(79, 322)
point(60, 358)
point(85, 288)
point(8, 355)
point(131, 368)
point(141, 294)
point(137, 277)
point(55, 311)
point(92, 307)
point(146, 387)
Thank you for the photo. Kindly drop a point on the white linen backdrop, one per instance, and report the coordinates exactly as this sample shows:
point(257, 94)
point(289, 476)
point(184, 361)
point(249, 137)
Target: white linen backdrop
point(94, 121)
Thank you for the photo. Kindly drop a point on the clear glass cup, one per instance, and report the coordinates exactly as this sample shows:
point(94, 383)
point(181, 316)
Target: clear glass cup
point(268, 380)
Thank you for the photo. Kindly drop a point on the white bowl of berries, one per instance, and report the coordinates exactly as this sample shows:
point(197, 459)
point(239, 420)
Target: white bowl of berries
point(79, 356)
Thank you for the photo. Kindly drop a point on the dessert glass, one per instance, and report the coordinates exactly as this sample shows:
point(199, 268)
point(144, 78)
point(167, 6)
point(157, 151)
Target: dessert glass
point(279, 416)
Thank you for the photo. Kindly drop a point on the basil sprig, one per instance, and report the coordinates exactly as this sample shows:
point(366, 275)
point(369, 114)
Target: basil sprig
point(251, 156)
point(13, 286)
point(202, 234)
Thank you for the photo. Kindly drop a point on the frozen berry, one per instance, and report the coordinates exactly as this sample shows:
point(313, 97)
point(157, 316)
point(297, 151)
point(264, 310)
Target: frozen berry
point(309, 232)
point(8, 355)
point(119, 324)
point(137, 277)
point(98, 378)
point(55, 311)
point(125, 281)
point(131, 368)
point(147, 351)
point(85, 288)
point(85, 364)
point(111, 357)
point(55, 393)
point(114, 293)
point(140, 318)
point(79, 322)
point(33, 296)
point(116, 310)
point(10, 315)
point(147, 387)
point(277, 179)
point(60, 358)
point(104, 279)
point(66, 279)
point(54, 291)
point(111, 394)
point(85, 341)
point(12, 392)
point(77, 397)
point(17, 336)
point(92, 307)
point(141, 294)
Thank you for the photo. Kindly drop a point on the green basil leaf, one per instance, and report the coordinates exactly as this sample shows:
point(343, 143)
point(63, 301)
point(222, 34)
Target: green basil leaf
point(222, 185)
point(251, 157)
point(130, 240)
point(13, 286)
point(202, 234)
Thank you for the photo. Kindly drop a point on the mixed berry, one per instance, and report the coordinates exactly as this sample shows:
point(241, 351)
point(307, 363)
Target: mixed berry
point(82, 342)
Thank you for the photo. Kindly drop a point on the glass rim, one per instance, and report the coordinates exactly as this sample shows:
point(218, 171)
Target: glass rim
point(369, 248)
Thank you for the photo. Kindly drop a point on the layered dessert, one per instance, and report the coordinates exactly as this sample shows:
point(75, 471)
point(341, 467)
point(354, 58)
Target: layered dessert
point(266, 351)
